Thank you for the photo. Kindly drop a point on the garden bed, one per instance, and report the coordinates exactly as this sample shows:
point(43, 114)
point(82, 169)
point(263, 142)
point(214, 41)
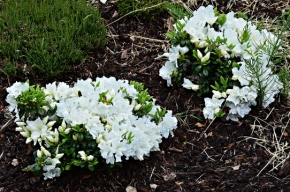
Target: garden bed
point(228, 156)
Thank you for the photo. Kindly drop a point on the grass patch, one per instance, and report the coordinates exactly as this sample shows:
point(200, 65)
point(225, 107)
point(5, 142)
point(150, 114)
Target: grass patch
point(45, 37)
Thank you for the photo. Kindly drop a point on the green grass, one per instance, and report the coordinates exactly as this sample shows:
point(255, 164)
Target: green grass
point(45, 37)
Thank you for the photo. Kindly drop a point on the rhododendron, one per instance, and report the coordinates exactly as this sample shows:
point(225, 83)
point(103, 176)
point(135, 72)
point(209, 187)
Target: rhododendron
point(228, 56)
point(105, 118)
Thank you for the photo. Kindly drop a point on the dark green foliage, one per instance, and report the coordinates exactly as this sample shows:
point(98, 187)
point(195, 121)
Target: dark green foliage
point(45, 37)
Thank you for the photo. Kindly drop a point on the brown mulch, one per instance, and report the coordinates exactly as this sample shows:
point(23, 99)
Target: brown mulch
point(219, 160)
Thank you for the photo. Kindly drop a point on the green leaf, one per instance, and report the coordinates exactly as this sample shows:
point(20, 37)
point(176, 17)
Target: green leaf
point(91, 167)
point(222, 18)
point(205, 72)
point(68, 167)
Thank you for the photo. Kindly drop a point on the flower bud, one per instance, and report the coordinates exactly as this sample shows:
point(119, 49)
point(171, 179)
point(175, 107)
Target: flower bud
point(20, 124)
point(61, 129)
point(199, 54)
point(50, 124)
point(63, 125)
point(67, 131)
point(83, 155)
point(90, 158)
point(134, 103)
point(75, 137)
point(205, 58)
point(56, 136)
point(45, 152)
point(45, 119)
point(98, 140)
point(19, 129)
point(137, 107)
point(58, 156)
point(25, 134)
point(202, 44)
point(28, 140)
point(39, 154)
point(224, 94)
point(217, 94)
point(50, 139)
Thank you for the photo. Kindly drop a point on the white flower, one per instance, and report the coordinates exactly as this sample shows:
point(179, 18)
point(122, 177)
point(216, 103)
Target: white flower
point(212, 107)
point(239, 110)
point(94, 126)
point(50, 163)
point(236, 24)
point(189, 85)
point(175, 52)
point(166, 71)
point(17, 88)
point(103, 1)
point(84, 87)
point(52, 173)
point(204, 15)
point(241, 74)
point(38, 129)
point(167, 124)
point(232, 38)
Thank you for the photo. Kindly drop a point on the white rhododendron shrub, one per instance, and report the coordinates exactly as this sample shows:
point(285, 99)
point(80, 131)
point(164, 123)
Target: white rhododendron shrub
point(224, 55)
point(105, 119)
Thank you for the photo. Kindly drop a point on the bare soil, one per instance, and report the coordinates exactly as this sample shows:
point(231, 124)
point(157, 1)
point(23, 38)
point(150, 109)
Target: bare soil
point(222, 156)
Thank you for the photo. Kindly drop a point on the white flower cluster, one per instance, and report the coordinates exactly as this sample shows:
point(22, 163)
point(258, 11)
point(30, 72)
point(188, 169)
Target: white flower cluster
point(238, 99)
point(200, 28)
point(233, 32)
point(106, 107)
point(264, 78)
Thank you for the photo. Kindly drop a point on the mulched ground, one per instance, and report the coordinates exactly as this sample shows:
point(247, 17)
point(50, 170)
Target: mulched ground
point(225, 156)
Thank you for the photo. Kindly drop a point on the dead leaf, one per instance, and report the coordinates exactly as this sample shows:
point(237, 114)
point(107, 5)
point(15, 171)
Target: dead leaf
point(132, 38)
point(124, 54)
point(87, 176)
point(131, 189)
point(153, 186)
point(115, 14)
point(236, 167)
point(228, 161)
point(170, 176)
point(285, 134)
point(199, 125)
point(178, 183)
point(170, 23)
point(208, 135)
point(14, 162)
